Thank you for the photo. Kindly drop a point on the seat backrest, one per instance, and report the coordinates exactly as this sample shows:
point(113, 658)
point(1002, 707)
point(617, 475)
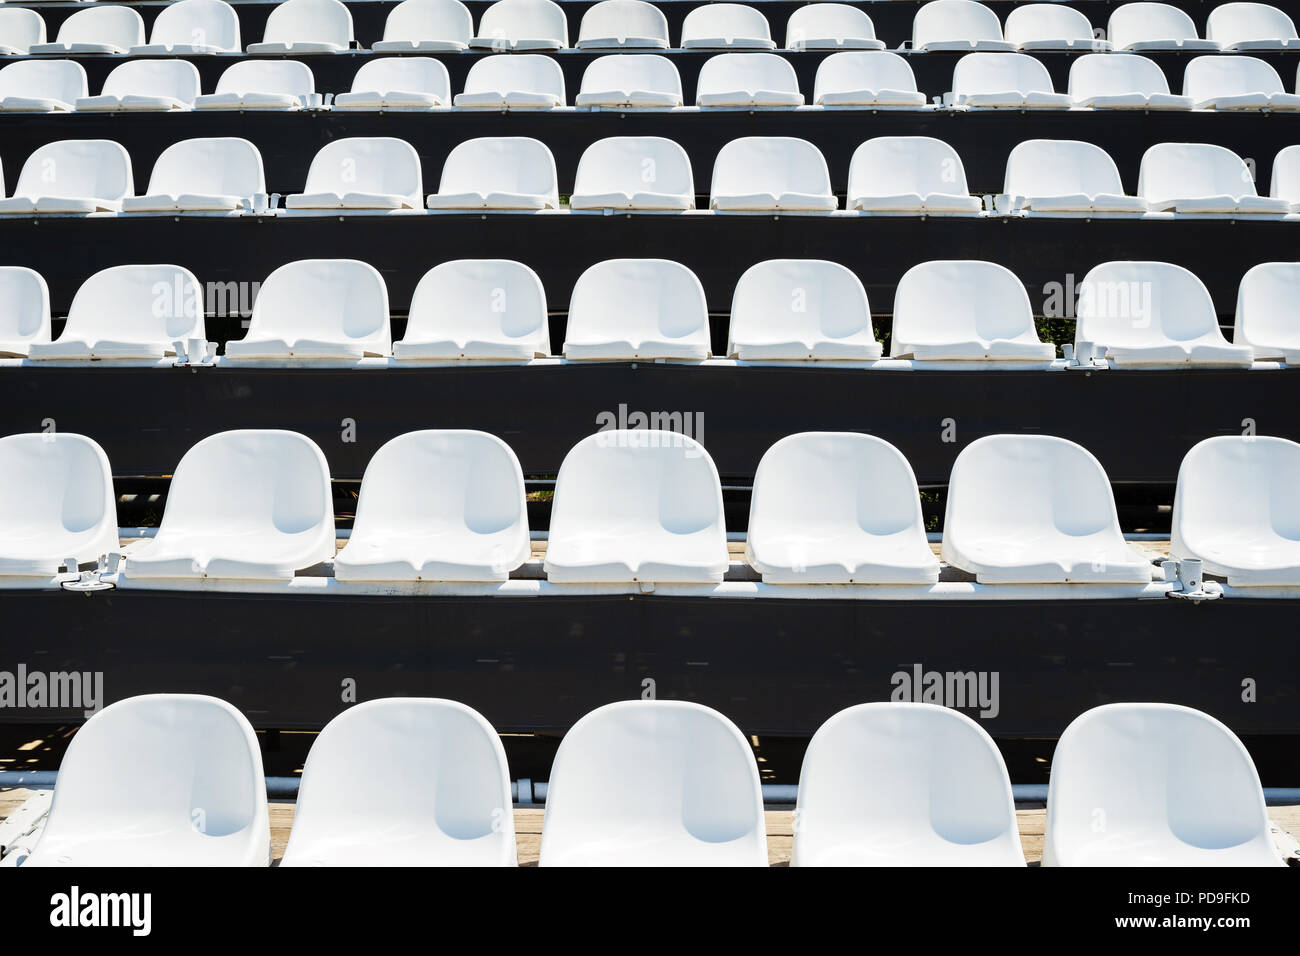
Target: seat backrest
point(1286, 174)
point(1158, 772)
point(827, 21)
point(525, 20)
point(1046, 21)
point(620, 19)
point(1144, 303)
point(149, 77)
point(21, 27)
point(54, 484)
point(334, 299)
point(429, 20)
point(267, 76)
point(770, 164)
point(63, 80)
point(1114, 74)
point(479, 299)
point(746, 71)
point(636, 299)
point(1061, 167)
point(654, 776)
point(198, 22)
point(24, 305)
point(511, 72)
point(137, 303)
point(900, 165)
point(1191, 171)
point(104, 23)
point(854, 70)
point(725, 20)
point(370, 164)
point(216, 166)
point(320, 21)
point(1266, 317)
point(806, 298)
point(516, 164)
point(1135, 22)
point(1231, 23)
point(1219, 74)
point(955, 300)
point(629, 164)
point(407, 74)
point(1000, 72)
point(944, 20)
point(630, 72)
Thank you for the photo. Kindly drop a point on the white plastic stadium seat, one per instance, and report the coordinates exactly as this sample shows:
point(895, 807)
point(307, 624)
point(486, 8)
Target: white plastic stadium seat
point(654, 783)
point(1235, 509)
point(318, 309)
point(20, 28)
point(1066, 175)
point(1267, 320)
point(72, 176)
point(965, 310)
point(1222, 82)
point(1015, 80)
point(190, 27)
point(904, 784)
point(446, 789)
point(726, 26)
point(524, 81)
point(1285, 183)
point(146, 84)
point(634, 172)
point(1122, 81)
point(398, 83)
point(24, 310)
point(771, 174)
point(867, 78)
point(1034, 509)
point(58, 497)
point(132, 312)
point(296, 27)
point(747, 80)
point(630, 81)
point(261, 85)
point(957, 25)
point(492, 309)
point(637, 505)
point(629, 309)
point(837, 508)
point(438, 506)
point(1051, 26)
point(522, 25)
point(102, 28)
point(1152, 315)
point(426, 26)
point(1154, 26)
point(787, 310)
point(911, 175)
point(1251, 26)
point(41, 86)
point(1201, 178)
point(159, 780)
point(362, 172)
point(831, 26)
point(623, 24)
point(203, 175)
point(249, 504)
point(498, 172)
point(1154, 785)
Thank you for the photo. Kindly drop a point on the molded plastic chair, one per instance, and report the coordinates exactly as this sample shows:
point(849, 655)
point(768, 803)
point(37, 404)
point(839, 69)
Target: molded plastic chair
point(318, 309)
point(1286, 177)
point(1015, 80)
point(634, 172)
point(623, 24)
point(957, 25)
point(800, 309)
point(1223, 82)
point(498, 172)
point(637, 506)
point(438, 506)
point(41, 86)
point(1154, 785)
point(1034, 509)
point(296, 27)
point(904, 784)
point(203, 175)
point(831, 26)
point(637, 309)
point(909, 174)
point(58, 494)
point(1122, 81)
point(1066, 175)
point(20, 28)
point(477, 309)
point(1267, 320)
point(654, 783)
point(771, 174)
point(261, 85)
point(726, 26)
point(159, 780)
point(522, 25)
point(446, 789)
point(426, 26)
point(398, 83)
point(1201, 178)
point(251, 504)
point(102, 28)
point(193, 27)
point(747, 80)
point(146, 85)
point(837, 508)
point(1051, 26)
point(630, 81)
point(362, 172)
point(1251, 26)
point(525, 81)
point(24, 310)
point(1154, 26)
point(867, 78)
